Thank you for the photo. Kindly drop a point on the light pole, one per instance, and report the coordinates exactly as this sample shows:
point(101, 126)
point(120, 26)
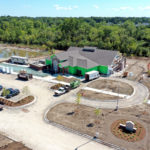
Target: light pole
point(117, 106)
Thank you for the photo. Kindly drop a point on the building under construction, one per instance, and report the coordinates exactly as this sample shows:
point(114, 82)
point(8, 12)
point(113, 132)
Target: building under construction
point(78, 61)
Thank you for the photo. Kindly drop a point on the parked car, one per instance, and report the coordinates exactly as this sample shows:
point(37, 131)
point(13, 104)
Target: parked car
point(1, 87)
point(16, 91)
point(12, 93)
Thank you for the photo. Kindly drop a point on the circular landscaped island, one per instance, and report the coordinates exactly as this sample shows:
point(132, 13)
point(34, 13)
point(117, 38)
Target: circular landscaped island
point(118, 128)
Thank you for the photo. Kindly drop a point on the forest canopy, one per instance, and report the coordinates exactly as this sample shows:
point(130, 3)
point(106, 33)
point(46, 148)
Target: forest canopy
point(130, 36)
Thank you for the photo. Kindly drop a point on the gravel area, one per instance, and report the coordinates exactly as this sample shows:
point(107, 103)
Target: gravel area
point(30, 128)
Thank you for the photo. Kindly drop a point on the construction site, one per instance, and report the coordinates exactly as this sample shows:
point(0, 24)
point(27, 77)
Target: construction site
point(77, 105)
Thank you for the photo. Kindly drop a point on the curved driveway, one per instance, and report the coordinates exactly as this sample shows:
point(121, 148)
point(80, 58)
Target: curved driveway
point(139, 95)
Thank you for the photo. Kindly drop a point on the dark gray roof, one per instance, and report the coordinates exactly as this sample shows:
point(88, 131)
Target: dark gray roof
point(87, 57)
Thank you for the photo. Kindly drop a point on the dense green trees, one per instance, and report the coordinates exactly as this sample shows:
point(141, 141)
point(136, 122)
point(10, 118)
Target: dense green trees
point(130, 36)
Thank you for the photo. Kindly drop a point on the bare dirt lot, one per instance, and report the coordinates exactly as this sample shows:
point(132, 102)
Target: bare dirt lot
point(14, 146)
point(83, 119)
point(113, 86)
point(65, 79)
point(8, 144)
point(97, 96)
point(137, 66)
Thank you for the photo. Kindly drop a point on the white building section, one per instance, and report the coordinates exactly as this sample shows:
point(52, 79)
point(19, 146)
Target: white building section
point(19, 60)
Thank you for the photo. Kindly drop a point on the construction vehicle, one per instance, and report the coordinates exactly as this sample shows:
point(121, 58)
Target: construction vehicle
point(74, 84)
point(24, 75)
point(66, 88)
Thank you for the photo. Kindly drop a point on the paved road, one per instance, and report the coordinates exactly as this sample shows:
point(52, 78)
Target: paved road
point(30, 128)
point(140, 94)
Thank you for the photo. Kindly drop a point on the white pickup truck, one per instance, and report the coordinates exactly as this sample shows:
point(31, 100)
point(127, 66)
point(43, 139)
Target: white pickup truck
point(60, 91)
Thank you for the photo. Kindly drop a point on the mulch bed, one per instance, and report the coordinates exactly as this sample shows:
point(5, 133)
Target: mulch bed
point(56, 86)
point(23, 101)
point(125, 135)
point(14, 146)
point(65, 79)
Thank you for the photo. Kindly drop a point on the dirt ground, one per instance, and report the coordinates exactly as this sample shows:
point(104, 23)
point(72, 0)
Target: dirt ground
point(137, 66)
point(65, 79)
point(84, 116)
point(14, 146)
point(114, 86)
point(8, 144)
point(97, 96)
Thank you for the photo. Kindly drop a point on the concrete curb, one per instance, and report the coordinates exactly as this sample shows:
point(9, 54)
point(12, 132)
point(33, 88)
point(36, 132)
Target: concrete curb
point(115, 147)
point(101, 102)
point(20, 107)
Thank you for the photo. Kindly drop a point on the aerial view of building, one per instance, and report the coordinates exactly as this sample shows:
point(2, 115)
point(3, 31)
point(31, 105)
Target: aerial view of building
point(74, 75)
point(78, 61)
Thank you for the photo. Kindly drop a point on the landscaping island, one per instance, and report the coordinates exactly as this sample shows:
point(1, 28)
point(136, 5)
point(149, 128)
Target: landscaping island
point(22, 102)
point(84, 119)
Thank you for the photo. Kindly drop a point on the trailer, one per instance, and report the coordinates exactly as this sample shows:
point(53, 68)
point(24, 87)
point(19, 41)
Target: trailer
point(24, 75)
point(91, 75)
point(19, 60)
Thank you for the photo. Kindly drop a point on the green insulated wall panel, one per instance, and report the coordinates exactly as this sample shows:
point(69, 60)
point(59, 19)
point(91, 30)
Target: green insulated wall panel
point(72, 70)
point(103, 69)
point(49, 61)
point(83, 70)
point(91, 69)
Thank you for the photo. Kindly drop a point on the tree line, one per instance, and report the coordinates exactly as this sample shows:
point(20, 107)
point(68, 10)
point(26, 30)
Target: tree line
point(130, 36)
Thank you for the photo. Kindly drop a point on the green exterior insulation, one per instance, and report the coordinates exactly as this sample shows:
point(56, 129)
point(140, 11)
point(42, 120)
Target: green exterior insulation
point(103, 69)
point(73, 70)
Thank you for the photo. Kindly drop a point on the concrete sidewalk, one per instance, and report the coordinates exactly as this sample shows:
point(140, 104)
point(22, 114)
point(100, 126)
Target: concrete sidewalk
point(106, 92)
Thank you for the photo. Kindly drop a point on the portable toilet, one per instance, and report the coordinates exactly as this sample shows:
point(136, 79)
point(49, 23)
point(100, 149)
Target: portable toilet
point(7, 70)
point(4, 69)
point(11, 70)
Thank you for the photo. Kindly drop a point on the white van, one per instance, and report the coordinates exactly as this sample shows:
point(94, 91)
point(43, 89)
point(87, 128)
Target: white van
point(91, 75)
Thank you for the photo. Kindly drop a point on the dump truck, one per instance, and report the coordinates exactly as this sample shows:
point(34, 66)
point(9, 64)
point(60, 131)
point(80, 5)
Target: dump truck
point(66, 88)
point(24, 75)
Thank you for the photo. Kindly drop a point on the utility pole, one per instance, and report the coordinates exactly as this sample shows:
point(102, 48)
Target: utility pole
point(117, 106)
